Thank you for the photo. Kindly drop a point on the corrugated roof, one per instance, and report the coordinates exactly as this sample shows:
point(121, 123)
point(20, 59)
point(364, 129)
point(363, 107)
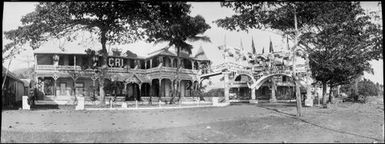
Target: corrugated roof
point(9, 74)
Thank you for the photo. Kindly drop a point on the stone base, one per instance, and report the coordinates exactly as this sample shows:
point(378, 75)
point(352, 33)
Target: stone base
point(309, 102)
point(124, 105)
point(80, 105)
point(253, 101)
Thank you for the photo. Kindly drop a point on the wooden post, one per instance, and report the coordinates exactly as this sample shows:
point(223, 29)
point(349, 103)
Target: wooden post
point(74, 62)
point(160, 89)
point(55, 86)
point(140, 91)
point(172, 62)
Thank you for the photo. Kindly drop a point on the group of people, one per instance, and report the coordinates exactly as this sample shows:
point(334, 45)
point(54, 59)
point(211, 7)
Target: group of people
point(33, 92)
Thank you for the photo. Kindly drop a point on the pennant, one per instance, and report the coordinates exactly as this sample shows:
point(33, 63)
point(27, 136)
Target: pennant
point(252, 45)
point(263, 50)
point(271, 46)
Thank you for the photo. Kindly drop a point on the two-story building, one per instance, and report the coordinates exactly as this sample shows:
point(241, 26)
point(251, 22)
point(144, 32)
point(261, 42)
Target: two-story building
point(60, 75)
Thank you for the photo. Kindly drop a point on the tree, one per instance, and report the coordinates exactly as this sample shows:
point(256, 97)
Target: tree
point(113, 22)
point(176, 30)
point(367, 88)
point(342, 49)
point(320, 27)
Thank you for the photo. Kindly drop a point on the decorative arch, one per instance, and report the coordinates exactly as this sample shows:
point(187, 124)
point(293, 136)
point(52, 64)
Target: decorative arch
point(249, 75)
point(263, 79)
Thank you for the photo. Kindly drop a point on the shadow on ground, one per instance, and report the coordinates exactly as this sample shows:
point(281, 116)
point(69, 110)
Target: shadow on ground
point(273, 107)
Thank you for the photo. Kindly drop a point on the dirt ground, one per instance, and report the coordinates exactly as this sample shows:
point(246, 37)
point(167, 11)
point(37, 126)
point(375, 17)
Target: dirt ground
point(263, 122)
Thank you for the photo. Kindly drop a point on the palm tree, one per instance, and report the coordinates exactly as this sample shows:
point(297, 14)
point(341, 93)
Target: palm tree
point(185, 29)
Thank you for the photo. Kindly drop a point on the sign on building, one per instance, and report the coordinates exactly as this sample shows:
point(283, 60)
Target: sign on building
point(115, 62)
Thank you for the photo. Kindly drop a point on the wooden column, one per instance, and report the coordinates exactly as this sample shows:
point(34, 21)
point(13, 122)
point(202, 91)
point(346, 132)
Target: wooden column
point(35, 62)
point(55, 77)
point(140, 90)
point(145, 65)
point(160, 59)
point(172, 62)
point(151, 63)
point(74, 62)
point(160, 88)
point(192, 64)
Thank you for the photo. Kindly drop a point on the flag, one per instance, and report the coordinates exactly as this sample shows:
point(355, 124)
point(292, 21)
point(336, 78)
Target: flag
point(271, 47)
point(252, 45)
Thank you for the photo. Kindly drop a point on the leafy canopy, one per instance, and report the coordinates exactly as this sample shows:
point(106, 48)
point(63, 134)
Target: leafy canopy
point(176, 30)
point(338, 37)
point(120, 21)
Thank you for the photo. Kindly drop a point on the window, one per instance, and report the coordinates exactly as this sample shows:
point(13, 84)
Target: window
point(61, 60)
point(44, 59)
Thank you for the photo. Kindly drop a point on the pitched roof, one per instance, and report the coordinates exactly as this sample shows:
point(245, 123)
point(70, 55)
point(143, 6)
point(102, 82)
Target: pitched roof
point(162, 51)
point(201, 55)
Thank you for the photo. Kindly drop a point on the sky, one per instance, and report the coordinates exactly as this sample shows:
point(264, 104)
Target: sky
point(211, 11)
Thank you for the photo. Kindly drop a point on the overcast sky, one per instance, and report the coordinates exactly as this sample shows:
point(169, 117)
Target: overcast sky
point(13, 11)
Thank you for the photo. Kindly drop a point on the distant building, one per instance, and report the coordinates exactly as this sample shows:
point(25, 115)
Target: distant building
point(13, 89)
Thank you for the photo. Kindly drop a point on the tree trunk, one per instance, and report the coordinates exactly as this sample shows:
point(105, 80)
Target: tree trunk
point(330, 94)
point(104, 65)
point(298, 97)
point(324, 93)
point(355, 93)
point(176, 91)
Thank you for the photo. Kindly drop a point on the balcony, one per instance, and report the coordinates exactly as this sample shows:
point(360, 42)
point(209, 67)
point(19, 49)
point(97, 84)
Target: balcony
point(151, 70)
point(56, 68)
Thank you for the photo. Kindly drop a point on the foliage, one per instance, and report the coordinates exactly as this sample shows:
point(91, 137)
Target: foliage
point(216, 92)
point(113, 22)
point(367, 88)
point(176, 27)
point(338, 37)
